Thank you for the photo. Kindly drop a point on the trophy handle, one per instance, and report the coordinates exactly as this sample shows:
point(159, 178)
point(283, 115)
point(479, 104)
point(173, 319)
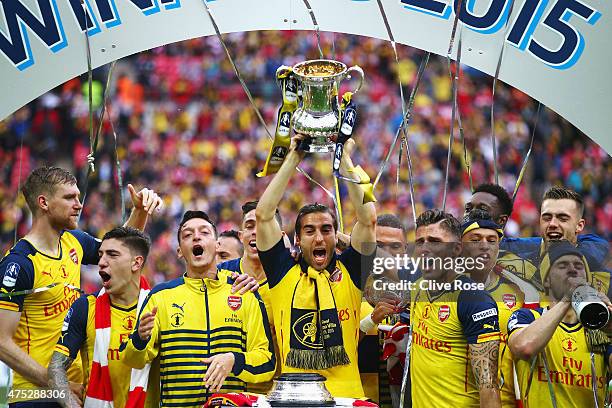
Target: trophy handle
point(357, 69)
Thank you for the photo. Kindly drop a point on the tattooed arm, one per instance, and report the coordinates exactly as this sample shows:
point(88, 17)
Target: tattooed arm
point(484, 357)
point(58, 380)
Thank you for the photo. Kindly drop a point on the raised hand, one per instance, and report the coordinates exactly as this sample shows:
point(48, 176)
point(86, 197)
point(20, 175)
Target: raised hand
point(147, 321)
point(146, 200)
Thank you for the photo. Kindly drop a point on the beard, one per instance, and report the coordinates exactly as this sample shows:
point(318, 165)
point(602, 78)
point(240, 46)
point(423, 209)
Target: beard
point(64, 223)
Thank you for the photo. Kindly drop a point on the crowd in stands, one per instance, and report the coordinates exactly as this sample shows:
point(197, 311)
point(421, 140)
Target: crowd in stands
point(186, 129)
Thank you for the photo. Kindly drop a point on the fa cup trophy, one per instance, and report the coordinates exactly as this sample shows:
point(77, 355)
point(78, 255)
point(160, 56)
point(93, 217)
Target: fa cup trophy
point(317, 115)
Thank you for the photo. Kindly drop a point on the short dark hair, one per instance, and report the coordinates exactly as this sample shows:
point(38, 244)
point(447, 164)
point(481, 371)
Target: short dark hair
point(391, 221)
point(449, 222)
point(44, 180)
point(313, 208)
point(136, 240)
point(233, 234)
point(191, 214)
point(251, 205)
point(500, 193)
point(560, 193)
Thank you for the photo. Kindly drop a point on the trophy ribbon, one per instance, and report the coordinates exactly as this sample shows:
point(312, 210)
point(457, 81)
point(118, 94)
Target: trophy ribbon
point(348, 115)
point(282, 139)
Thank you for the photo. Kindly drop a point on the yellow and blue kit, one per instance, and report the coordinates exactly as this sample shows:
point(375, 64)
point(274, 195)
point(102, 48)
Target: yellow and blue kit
point(235, 265)
point(443, 327)
point(284, 273)
point(24, 269)
point(509, 298)
point(569, 366)
point(522, 256)
point(79, 335)
point(197, 319)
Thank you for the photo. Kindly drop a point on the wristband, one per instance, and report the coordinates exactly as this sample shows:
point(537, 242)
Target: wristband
point(367, 324)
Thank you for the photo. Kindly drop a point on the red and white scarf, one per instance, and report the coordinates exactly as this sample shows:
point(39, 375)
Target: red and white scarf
point(100, 390)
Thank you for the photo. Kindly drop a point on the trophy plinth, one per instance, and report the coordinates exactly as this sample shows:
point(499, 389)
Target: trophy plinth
point(316, 116)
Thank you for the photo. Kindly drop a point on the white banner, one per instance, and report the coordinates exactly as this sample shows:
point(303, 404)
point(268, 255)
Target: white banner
point(557, 51)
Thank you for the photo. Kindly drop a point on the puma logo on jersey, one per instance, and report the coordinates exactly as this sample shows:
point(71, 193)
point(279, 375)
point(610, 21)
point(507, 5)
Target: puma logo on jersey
point(488, 326)
point(179, 307)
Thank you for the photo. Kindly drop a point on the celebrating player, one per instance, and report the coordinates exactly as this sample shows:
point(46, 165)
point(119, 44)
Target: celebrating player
point(455, 343)
point(559, 359)
point(316, 301)
point(41, 275)
point(96, 326)
point(199, 328)
point(481, 237)
point(229, 246)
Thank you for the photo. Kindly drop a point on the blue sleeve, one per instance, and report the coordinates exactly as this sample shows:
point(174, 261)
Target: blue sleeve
point(16, 275)
point(232, 265)
point(90, 246)
point(593, 239)
point(595, 249)
point(74, 329)
point(520, 246)
point(520, 319)
point(276, 262)
point(359, 266)
point(510, 242)
point(478, 315)
point(409, 275)
point(608, 352)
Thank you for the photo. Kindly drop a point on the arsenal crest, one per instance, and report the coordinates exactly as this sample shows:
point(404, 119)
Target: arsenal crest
point(509, 299)
point(443, 313)
point(234, 302)
point(336, 276)
point(74, 256)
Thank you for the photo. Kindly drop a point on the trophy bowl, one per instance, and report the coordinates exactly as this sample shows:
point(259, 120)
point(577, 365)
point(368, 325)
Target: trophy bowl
point(379, 288)
point(316, 117)
point(300, 390)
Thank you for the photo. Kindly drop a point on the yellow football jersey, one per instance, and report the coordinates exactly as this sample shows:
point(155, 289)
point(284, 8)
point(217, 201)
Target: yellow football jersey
point(25, 268)
point(79, 334)
point(569, 364)
point(443, 327)
point(521, 267)
point(236, 265)
point(283, 275)
point(197, 319)
point(508, 298)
